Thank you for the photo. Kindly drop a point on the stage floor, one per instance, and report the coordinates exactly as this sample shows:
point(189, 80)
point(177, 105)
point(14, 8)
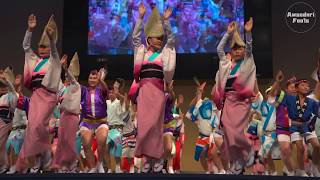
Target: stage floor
point(142, 176)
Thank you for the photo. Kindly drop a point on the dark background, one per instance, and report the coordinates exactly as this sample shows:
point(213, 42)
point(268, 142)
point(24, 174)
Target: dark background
point(294, 53)
point(13, 18)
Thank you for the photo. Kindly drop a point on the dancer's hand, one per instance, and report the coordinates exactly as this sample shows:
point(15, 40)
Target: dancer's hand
point(63, 61)
point(170, 86)
point(279, 76)
point(231, 27)
point(167, 13)
point(249, 24)
point(102, 74)
point(201, 87)
point(32, 22)
point(142, 10)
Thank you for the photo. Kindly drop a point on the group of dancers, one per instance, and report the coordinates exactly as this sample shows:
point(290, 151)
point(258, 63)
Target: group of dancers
point(68, 127)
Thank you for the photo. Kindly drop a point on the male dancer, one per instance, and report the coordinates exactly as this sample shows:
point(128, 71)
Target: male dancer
point(94, 122)
point(303, 112)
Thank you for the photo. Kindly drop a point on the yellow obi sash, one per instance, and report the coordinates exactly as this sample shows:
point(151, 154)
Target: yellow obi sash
point(95, 121)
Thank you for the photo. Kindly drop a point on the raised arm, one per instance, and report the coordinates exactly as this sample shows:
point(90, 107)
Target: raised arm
point(167, 27)
point(7, 78)
point(52, 78)
point(7, 83)
point(224, 40)
point(248, 67)
point(169, 53)
point(54, 52)
point(102, 75)
point(136, 35)
point(124, 104)
point(221, 46)
point(199, 94)
point(27, 42)
point(32, 23)
point(13, 96)
point(119, 96)
point(276, 85)
point(248, 27)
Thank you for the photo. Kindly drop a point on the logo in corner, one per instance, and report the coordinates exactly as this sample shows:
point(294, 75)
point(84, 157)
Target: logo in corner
point(300, 17)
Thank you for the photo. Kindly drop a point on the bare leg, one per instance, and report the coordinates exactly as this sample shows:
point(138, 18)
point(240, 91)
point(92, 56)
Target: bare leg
point(316, 152)
point(167, 141)
point(86, 137)
point(270, 163)
point(224, 161)
point(204, 161)
point(285, 148)
point(102, 134)
point(108, 158)
point(300, 154)
point(118, 164)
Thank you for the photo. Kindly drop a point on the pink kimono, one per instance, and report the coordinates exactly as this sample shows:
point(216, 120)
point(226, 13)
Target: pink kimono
point(233, 98)
point(150, 71)
point(69, 122)
point(42, 76)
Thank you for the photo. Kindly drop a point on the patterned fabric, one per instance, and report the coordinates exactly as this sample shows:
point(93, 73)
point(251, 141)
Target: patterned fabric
point(302, 118)
point(253, 127)
point(267, 111)
point(39, 72)
point(16, 136)
point(128, 146)
point(267, 141)
point(202, 144)
point(114, 142)
point(204, 112)
point(15, 140)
